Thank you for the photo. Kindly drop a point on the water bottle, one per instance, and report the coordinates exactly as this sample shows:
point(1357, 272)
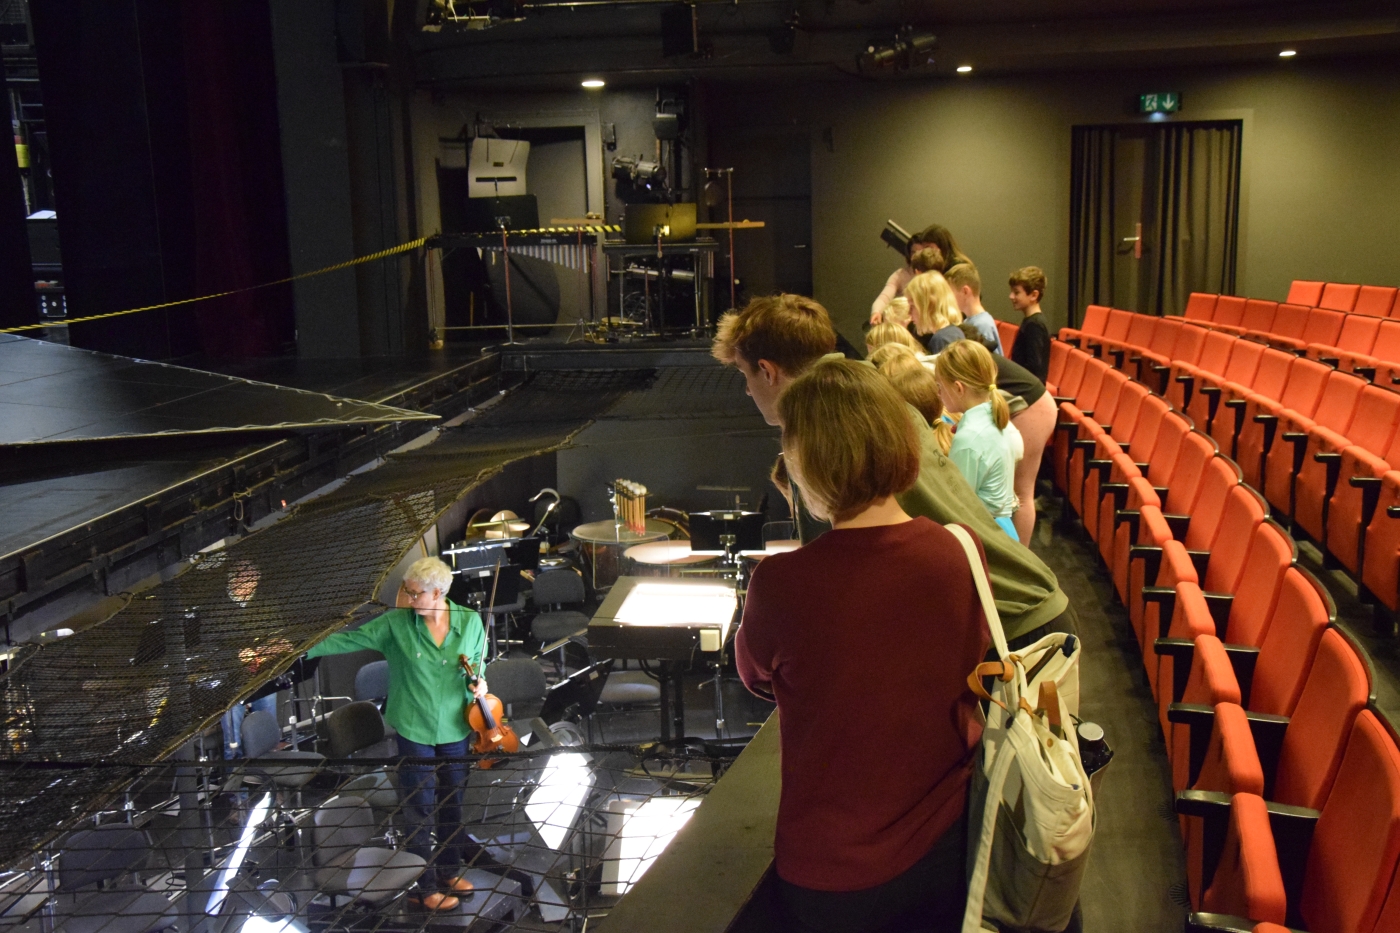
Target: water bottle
point(1093, 752)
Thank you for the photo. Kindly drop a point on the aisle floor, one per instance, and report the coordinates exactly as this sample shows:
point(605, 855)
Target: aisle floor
point(1137, 872)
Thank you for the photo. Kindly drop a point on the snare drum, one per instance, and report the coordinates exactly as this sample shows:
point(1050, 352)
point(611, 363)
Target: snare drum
point(664, 559)
point(601, 546)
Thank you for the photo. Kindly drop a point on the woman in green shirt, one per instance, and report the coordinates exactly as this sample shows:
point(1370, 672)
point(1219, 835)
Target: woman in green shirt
point(427, 691)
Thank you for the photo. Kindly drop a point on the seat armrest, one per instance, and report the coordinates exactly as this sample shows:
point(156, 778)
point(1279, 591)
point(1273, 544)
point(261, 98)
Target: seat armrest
point(1330, 360)
point(1365, 372)
point(1084, 443)
point(1213, 809)
point(1235, 403)
point(1293, 833)
point(1165, 598)
point(1117, 353)
point(1332, 468)
point(1219, 605)
point(1243, 659)
point(1370, 487)
point(1218, 923)
point(1268, 732)
point(1200, 560)
point(1200, 719)
point(1149, 554)
point(1178, 524)
point(1181, 651)
point(1210, 390)
point(1061, 400)
point(1392, 511)
point(1119, 491)
point(1104, 468)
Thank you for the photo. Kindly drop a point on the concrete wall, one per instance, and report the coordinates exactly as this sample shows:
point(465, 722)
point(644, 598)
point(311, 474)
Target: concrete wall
point(990, 159)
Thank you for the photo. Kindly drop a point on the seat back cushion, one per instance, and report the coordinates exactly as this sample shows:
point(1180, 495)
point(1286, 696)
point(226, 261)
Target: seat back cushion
point(1095, 319)
point(1300, 617)
point(1336, 690)
point(1357, 839)
point(1306, 379)
point(1248, 882)
point(1118, 324)
point(1229, 548)
point(1305, 292)
point(1256, 314)
point(1270, 554)
point(1244, 361)
point(1358, 333)
point(1339, 297)
point(1215, 352)
point(1374, 301)
point(1230, 309)
point(1290, 321)
point(1387, 345)
point(1221, 476)
point(1323, 327)
point(1272, 374)
point(1200, 307)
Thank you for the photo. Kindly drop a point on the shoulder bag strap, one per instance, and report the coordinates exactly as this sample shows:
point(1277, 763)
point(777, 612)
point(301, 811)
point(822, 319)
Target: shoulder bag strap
point(984, 588)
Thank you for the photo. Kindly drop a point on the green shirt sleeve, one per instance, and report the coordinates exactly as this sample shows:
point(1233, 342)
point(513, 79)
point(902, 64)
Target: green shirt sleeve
point(370, 635)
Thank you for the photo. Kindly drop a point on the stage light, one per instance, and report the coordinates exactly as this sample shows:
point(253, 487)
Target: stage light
point(639, 834)
point(257, 924)
point(240, 852)
point(1287, 53)
point(556, 801)
point(964, 69)
point(593, 83)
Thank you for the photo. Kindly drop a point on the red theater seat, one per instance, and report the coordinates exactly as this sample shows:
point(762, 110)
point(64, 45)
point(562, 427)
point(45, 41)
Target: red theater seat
point(1270, 377)
point(1008, 334)
point(1206, 394)
point(1336, 865)
point(1257, 434)
point(1181, 382)
point(1339, 297)
point(1324, 327)
point(1355, 341)
point(1256, 315)
point(1290, 321)
point(1095, 320)
point(1375, 301)
point(1284, 460)
point(1303, 292)
point(1324, 487)
point(1200, 307)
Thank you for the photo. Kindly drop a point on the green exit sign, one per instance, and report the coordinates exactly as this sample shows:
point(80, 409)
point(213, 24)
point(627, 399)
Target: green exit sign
point(1165, 102)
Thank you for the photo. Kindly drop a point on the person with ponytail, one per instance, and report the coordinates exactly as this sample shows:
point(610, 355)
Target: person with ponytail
point(967, 382)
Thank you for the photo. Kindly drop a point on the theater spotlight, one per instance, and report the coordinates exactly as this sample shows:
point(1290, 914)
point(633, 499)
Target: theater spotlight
point(909, 50)
point(639, 172)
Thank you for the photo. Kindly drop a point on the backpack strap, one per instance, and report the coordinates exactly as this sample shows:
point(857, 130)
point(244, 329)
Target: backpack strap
point(984, 588)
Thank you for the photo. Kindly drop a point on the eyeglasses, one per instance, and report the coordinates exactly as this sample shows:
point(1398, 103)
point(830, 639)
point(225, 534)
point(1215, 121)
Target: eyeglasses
point(413, 594)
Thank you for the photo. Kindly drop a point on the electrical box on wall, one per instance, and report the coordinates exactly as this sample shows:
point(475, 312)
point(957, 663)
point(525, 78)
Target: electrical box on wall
point(496, 167)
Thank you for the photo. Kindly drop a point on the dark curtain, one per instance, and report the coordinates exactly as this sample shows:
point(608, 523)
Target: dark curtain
point(1091, 219)
point(17, 304)
point(239, 211)
point(1197, 213)
point(1184, 182)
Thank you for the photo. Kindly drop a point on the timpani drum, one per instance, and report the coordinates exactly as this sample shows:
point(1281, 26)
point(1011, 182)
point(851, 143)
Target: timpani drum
point(664, 559)
point(772, 547)
point(601, 546)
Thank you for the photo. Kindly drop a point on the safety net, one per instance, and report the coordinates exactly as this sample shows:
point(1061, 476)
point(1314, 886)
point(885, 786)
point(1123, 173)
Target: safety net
point(134, 689)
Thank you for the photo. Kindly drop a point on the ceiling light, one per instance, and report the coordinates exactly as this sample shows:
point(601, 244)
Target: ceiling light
point(964, 69)
point(1287, 53)
point(592, 83)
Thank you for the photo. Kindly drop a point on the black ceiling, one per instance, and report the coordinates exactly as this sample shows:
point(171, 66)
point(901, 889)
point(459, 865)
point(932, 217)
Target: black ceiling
point(557, 42)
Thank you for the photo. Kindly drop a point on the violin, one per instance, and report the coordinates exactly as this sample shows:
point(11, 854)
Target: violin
point(486, 718)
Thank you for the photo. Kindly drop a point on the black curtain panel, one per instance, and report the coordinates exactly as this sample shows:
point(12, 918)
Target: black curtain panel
point(1154, 214)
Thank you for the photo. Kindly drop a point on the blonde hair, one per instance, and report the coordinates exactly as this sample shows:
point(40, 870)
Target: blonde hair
point(932, 302)
point(847, 437)
point(916, 385)
point(888, 332)
point(965, 274)
point(970, 363)
point(898, 310)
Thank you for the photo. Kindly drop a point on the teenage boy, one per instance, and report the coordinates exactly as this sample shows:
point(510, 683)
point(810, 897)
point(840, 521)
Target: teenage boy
point(967, 286)
point(1032, 346)
point(772, 341)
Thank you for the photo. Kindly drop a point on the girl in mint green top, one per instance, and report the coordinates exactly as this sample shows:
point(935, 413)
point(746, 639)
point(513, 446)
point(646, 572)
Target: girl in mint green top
point(981, 449)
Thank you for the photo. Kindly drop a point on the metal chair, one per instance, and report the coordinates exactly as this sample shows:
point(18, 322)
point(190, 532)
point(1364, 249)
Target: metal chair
point(96, 858)
point(347, 866)
point(516, 680)
point(555, 589)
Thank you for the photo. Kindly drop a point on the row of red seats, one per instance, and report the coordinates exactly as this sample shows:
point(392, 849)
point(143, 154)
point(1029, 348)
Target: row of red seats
point(1262, 700)
point(1336, 296)
point(1360, 338)
point(1320, 443)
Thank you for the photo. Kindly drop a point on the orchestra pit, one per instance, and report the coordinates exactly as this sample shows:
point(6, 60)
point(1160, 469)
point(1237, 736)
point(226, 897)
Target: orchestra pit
point(723, 465)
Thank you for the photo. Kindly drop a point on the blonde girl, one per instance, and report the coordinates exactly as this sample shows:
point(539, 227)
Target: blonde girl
point(982, 449)
point(887, 332)
point(933, 308)
point(916, 385)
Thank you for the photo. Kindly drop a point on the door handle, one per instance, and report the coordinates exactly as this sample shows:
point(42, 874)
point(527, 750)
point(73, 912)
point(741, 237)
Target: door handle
point(1135, 240)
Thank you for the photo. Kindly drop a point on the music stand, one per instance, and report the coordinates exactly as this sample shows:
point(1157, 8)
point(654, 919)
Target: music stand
point(726, 533)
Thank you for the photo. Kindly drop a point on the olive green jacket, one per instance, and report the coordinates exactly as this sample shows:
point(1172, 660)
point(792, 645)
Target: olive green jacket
point(1026, 591)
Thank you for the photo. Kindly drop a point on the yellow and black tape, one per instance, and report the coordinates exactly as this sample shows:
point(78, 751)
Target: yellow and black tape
point(360, 260)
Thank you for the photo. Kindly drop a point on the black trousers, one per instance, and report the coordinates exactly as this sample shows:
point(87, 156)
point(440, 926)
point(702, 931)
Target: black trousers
point(929, 897)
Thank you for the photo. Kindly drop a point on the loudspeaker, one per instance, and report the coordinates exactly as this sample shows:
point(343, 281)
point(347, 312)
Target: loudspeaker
point(678, 30)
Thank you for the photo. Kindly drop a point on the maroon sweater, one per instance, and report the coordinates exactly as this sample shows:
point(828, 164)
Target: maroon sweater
point(865, 638)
